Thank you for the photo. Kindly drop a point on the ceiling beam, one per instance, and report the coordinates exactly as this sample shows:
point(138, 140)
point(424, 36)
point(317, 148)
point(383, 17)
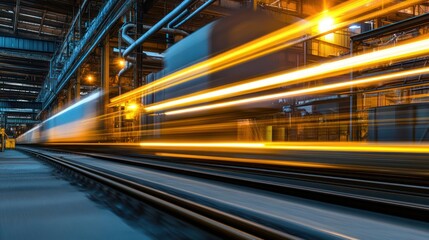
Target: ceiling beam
point(15, 104)
point(5, 31)
point(7, 66)
point(26, 82)
point(21, 121)
point(21, 43)
point(15, 21)
point(42, 22)
point(18, 88)
point(12, 73)
point(32, 56)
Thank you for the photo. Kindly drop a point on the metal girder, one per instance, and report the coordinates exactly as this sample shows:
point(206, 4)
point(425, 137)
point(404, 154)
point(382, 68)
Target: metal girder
point(27, 44)
point(21, 121)
point(107, 17)
point(6, 87)
point(42, 21)
point(12, 73)
point(15, 21)
point(15, 104)
point(18, 112)
point(7, 66)
point(33, 56)
point(394, 27)
point(7, 95)
point(28, 34)
point(20, 81)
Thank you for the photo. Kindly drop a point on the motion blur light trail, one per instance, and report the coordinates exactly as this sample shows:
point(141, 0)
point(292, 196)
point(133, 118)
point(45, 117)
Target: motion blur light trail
point(267, 44)
point(305, 146)
point(209, 145)
point(319, 89)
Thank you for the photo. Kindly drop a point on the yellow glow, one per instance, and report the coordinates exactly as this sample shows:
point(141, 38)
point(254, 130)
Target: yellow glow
point(392, 53)
point(90, 78)
point(261, 46)
point(121, 62)
point(318, 89)
point(132, 107)
point(326, 24)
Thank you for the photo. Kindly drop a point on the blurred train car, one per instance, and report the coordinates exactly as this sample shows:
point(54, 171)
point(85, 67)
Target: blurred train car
point(77, 123)
point(217, 37)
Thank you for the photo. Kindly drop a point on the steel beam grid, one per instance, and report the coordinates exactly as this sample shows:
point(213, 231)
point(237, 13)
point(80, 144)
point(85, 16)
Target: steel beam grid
point(24, 55)
point(26, 44)
point(26, 105)
point(21, 121)
point(108, 15)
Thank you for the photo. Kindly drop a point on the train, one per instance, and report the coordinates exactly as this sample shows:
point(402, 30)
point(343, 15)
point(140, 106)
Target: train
point(269, 120)
point(79, 121)
point(76, 123)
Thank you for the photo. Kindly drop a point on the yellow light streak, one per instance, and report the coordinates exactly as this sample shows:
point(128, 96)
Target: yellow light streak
point(258, 47)
point(329, 87)
point(410, 49)
point(300, 146)
point(208, 145)
point(355, 147)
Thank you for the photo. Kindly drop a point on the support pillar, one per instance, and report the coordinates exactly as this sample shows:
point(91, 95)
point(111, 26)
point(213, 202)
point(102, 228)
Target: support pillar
point(105, 81)
point(138, 68)
point(69, 94)
point(77, 86)
point(2, 139)
point(353, 130)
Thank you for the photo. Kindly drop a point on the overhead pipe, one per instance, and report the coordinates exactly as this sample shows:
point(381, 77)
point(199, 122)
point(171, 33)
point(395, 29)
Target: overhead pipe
point(198, 10)
point(130, 60)
point(125, 37)
point(151, 30)
point(127, 67)
point(179, 9)
point(130, 41)
point(168, 30)
point(178, 18)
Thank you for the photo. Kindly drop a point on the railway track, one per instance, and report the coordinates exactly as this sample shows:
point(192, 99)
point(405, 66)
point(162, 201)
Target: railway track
point(403, 200)
point(269, 180)
point(213, 220)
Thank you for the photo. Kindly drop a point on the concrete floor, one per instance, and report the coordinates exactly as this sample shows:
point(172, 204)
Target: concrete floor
point(36, 204)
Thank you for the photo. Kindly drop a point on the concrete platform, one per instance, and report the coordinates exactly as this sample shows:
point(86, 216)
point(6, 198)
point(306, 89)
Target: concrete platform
point(36, 204)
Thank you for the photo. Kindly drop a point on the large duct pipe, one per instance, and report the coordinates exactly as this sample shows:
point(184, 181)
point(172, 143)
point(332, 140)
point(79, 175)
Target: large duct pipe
point(179, 9)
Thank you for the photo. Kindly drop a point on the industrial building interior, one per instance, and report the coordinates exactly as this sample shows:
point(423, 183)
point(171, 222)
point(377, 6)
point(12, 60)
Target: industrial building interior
point(319, 110)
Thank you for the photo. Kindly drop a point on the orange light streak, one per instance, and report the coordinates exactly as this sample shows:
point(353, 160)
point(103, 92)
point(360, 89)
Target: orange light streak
point(299, 146)
point(318, 89)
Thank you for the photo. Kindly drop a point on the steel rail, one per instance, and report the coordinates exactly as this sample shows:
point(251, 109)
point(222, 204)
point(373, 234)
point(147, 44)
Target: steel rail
point(212, 219)
point(395, 207)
